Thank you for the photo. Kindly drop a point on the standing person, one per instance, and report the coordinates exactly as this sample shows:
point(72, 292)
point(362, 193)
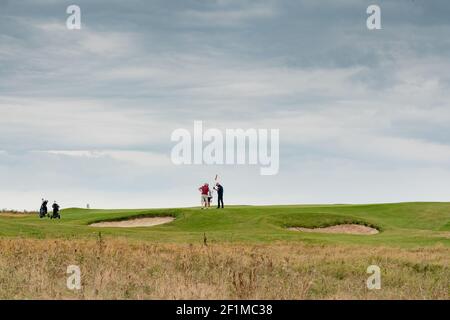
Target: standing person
point(204, 190)
point(219, 190)
point(43, 210)
point(210, 197)
point(55, 208)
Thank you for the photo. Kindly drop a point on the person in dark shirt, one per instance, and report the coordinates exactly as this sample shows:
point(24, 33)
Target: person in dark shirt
point(219, 190)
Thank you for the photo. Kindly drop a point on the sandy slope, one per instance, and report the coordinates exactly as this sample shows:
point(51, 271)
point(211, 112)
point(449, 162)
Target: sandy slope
point(133, 223)
point(341, 228)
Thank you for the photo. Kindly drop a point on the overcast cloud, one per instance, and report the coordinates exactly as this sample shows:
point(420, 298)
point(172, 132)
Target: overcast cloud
point(86, 115)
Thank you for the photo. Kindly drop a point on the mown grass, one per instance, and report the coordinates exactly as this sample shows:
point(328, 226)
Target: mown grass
point(131, 269)
point(402, 224)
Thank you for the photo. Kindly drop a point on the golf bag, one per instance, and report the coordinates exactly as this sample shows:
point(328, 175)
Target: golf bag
point(55, 214)
point(43, 210)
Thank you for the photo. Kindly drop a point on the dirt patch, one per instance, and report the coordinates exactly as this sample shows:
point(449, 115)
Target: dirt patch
point(134, 223)
point(340, 228)
point(443, 235)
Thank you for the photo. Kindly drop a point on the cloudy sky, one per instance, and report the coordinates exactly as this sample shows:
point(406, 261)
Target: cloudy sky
point(86, 115)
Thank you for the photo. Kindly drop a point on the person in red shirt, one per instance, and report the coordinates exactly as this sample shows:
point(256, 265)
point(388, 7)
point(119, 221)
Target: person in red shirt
point(204, 190)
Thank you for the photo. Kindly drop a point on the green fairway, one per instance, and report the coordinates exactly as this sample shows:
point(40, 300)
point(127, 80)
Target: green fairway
point(401, 224)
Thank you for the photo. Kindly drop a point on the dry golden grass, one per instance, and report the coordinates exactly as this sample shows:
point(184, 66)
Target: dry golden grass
point(120, 269)
point(15, 213)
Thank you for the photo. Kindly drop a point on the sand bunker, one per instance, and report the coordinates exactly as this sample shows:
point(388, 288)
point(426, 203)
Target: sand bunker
point(134, 223)
point(340, 228)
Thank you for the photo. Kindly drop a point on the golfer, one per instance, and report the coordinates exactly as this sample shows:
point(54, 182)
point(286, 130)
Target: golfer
point(219, 190)
point(204, 190)
point(210, 197)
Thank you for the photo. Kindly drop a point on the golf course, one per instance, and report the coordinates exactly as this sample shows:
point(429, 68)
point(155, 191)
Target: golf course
point(240, 252)
point(402, 224)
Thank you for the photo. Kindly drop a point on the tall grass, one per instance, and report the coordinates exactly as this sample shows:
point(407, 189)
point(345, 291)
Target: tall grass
point(120, 269)
point(16, 212)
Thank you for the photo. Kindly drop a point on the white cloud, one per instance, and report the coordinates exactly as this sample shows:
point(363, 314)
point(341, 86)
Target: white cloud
point(351, 106)
point(138, 158)
point(230, 13)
